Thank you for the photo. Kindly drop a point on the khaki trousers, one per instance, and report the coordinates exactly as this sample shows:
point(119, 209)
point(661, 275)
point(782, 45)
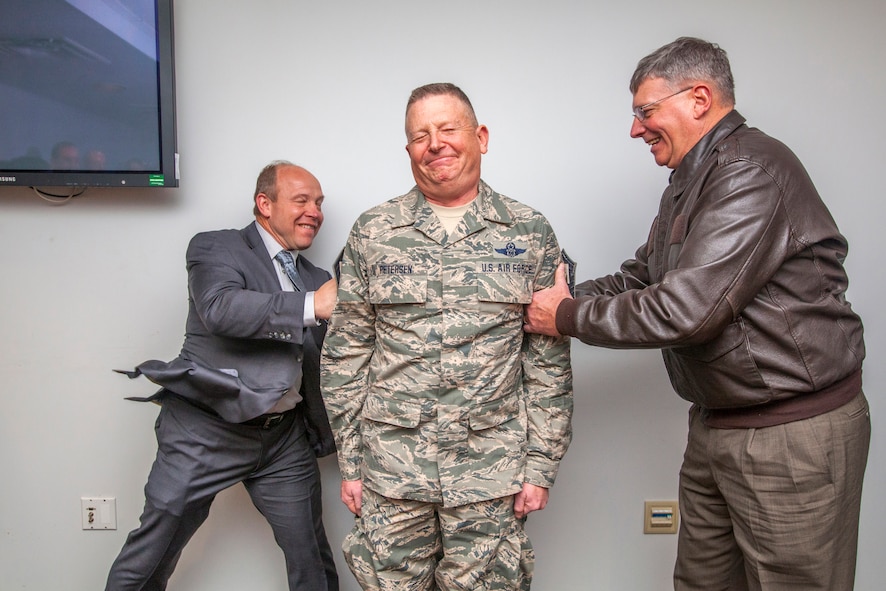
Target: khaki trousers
point(773, 509)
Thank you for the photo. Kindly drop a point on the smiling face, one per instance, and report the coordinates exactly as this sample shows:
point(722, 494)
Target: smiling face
point(671, 127)
point(293, 217)
point(445, 144)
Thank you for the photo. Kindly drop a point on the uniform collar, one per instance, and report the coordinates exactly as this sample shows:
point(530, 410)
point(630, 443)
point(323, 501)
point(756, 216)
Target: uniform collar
point(487, 206)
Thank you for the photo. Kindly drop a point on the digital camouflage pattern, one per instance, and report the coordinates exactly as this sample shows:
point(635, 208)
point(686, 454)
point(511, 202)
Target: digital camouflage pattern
point(485, 548)
point(434, 392)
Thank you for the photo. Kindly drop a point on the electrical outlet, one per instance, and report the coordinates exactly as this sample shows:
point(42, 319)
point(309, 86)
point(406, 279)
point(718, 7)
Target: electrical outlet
point(98, 512)
point(660, 517)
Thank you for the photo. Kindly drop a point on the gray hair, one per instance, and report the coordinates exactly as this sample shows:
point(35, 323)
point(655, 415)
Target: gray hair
point(688, 59)
point(441, 88)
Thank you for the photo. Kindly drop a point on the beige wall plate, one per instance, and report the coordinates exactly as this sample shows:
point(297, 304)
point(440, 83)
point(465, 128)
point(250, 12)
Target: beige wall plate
point(660, 517)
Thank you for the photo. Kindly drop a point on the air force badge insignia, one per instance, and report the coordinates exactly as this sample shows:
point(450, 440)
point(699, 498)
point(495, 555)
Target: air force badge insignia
point(510, 250)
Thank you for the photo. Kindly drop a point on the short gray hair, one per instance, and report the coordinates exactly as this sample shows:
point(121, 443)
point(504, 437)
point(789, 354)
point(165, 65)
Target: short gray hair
point(688, 59)
point(442, 88)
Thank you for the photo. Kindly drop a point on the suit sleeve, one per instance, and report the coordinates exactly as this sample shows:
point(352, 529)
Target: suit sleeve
point(223, 284)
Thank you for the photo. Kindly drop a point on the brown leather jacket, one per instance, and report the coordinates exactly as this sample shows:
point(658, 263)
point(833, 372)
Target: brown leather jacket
point(741, 283)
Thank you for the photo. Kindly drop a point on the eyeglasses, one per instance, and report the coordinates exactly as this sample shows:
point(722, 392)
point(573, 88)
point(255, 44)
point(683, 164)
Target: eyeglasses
point(640, 112)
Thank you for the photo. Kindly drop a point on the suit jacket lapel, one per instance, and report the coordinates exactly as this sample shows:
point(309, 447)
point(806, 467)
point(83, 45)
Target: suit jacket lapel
point(253, 239)
point(307, 275)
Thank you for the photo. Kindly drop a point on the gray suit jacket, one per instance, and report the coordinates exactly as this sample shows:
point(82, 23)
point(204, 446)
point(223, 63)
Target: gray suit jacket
point(245, 339)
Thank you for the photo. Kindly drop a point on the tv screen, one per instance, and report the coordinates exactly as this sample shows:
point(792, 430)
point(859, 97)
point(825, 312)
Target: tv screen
point(87, 94)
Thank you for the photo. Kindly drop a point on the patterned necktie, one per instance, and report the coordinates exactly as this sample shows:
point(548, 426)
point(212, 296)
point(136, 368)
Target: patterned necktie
point(284, 257)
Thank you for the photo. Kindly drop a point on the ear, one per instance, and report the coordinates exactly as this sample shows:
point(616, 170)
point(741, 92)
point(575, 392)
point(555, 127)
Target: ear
point(263, 203)
point(704, 99)
point(483, 138)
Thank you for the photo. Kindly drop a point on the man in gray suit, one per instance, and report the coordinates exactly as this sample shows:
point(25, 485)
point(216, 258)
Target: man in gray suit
point(241, 402)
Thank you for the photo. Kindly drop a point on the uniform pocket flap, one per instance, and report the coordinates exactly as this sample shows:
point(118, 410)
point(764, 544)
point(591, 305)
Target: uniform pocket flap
point(398, 288)
point(400, 413)
point(494, 413)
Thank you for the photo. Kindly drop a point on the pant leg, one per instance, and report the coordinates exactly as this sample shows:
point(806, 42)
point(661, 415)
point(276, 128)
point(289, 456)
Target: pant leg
point(151, 552)
point(401, 545)
point(394, 545)
point(708, 556)
point(198, 455)
point(360, 558)
point(795, 495)
point(791, 495)
point(485, 547)
point(286, 490)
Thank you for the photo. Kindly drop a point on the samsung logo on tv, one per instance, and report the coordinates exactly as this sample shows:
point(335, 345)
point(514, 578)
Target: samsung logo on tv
point(7, 179)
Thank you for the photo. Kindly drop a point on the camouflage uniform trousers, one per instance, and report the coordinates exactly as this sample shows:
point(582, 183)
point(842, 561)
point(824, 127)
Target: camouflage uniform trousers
point(403, 545)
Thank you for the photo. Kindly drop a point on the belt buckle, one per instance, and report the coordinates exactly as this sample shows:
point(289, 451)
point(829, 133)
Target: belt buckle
point(272, 420)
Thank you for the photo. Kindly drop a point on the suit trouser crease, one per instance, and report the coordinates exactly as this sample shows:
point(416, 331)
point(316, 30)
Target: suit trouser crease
point(199, 455)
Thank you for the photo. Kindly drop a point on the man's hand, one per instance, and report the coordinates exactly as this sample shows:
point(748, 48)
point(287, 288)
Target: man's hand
point(352, 495)
point(541, 315)
point(324, 299)
point(531, 498)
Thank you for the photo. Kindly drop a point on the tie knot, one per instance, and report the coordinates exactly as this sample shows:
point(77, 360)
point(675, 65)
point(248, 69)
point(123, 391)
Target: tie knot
point(288, 263)
point(285, 258)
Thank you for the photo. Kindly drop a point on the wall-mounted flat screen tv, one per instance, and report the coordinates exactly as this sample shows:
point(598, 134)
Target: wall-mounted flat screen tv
point(87, 94)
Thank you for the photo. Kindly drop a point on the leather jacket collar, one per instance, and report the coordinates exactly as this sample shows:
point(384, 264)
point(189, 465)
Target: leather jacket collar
point(703, 149)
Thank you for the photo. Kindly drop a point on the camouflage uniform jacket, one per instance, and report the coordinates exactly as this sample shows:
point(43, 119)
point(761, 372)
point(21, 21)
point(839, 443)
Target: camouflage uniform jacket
point(433, 390)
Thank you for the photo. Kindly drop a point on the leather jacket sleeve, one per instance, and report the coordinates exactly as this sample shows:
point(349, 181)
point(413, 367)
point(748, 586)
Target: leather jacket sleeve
point(707, 274)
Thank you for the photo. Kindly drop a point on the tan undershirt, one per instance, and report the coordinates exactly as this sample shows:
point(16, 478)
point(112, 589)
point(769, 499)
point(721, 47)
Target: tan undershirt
point(450, 216)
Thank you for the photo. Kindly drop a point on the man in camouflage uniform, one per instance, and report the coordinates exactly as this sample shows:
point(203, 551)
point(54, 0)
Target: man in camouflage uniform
point(450, 421)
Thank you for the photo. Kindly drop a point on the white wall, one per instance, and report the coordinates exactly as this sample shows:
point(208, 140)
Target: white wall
point(100, 283)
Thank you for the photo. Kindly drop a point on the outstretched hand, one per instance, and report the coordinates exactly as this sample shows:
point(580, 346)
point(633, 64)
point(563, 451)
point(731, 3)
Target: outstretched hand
point(541, 315)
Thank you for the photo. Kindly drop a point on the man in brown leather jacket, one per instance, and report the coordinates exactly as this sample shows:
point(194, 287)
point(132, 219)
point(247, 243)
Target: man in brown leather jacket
point(742, 286)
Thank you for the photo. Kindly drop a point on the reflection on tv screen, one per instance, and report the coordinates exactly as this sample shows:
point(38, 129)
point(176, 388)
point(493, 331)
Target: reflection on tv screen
point(78, 85)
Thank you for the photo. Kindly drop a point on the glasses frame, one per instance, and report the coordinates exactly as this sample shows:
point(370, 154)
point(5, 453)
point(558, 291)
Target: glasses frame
point(640, 112)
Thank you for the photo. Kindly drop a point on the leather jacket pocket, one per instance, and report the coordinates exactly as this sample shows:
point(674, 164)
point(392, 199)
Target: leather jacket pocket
point(719, 374)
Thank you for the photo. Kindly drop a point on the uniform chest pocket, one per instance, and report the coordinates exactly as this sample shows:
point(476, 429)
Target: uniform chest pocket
point(505, 282)
point(393, 289)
